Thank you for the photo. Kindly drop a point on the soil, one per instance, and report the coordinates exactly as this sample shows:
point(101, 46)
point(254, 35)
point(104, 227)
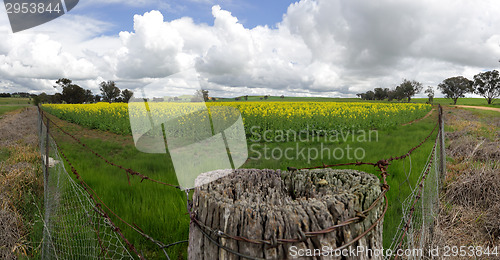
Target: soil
point(482, 108)
point(19, 168)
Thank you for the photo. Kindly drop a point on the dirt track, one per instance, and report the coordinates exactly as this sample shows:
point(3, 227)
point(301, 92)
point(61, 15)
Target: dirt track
point(482, 108)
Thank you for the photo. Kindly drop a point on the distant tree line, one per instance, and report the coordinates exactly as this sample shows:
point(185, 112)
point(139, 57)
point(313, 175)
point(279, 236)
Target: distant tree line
point(485, 84)
point(74, 94)
point(17, 95)
point(406, 90)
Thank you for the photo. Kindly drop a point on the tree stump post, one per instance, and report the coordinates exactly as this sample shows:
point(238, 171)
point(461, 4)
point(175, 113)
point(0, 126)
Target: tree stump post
point(272, 204)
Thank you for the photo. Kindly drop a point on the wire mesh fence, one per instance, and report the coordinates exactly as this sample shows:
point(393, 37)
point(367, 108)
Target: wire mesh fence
point(420, 209)
point(74, 228)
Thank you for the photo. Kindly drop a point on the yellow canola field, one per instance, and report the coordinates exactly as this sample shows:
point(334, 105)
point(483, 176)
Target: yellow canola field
point(297, 116)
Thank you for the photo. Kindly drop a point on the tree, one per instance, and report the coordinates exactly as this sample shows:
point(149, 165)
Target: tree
point(430, 93)
point(381, 93)
point(391, 95)
point(201, 95)
point(57, 98)
point(487, 84)
point(97, 98)
point(127, 95)
point(89, 97)
point(109, 91)
point(73, 94)
point(246, 97)
point(36, 100)
point(455, 87)
point(62, 83)
point(409, 88)
point(204, 92)
point(369, 95)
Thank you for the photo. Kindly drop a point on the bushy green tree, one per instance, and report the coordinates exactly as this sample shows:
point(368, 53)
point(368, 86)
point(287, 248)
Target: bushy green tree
point(109, 91)
point(408, 89)
point(487, 84)
point(456, 87)
point(126, 95)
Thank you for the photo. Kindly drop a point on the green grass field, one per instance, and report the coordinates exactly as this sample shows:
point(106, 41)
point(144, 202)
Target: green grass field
point(9, 108)
point(15, 101)
point(442, 101)
point(12, 104)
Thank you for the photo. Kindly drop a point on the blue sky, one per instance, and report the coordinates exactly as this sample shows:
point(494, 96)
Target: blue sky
point(249, 13)
point(332, 48)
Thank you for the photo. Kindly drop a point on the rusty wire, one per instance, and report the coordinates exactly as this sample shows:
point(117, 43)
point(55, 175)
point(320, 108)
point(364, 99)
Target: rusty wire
point(358, 218)
point(419, 195)
point(381, 164)
point(303, 235)
point(98, 203)
point(128, 171)
point(93, 196)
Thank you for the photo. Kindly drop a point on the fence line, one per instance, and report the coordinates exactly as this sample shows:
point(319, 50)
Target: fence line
point(101, 224)
point(74, 228)
point(381, 164)
point(421, 207)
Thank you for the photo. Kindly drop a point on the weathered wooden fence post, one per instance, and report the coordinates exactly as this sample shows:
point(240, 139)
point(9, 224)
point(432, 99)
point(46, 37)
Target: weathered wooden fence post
point(270, 214)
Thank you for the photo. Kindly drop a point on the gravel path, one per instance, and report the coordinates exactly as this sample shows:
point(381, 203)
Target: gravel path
point(482, 108)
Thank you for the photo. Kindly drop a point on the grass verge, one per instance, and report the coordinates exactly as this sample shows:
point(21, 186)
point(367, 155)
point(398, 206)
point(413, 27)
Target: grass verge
point(21, 188)
point(470, 203)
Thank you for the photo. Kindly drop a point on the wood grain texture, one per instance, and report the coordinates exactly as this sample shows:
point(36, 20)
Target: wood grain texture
point(274, 204)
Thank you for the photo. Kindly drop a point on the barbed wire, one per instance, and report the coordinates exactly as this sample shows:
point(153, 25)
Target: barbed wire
point(127, 170)
point(303, 236)
point(381, 164)
point(419, 195)
point(99, 203)
point(93, 196)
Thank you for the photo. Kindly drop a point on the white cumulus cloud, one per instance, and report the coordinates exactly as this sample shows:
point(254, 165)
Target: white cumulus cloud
point(321, 47)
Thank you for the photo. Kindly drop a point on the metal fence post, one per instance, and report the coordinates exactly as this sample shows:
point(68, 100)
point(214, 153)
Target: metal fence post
point(442, 154)
point(47, 151)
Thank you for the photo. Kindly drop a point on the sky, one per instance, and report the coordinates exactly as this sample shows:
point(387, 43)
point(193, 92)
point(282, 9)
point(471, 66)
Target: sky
point(332, 48)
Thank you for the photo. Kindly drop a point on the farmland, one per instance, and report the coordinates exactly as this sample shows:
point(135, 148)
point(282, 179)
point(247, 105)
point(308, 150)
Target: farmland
point(160, 211)
point(9, 108)
point(15, 101)
point(267, 115)
point(12, 104)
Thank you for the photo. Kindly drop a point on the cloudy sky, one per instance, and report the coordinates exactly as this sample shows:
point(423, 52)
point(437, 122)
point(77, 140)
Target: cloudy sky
point(333, 48)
